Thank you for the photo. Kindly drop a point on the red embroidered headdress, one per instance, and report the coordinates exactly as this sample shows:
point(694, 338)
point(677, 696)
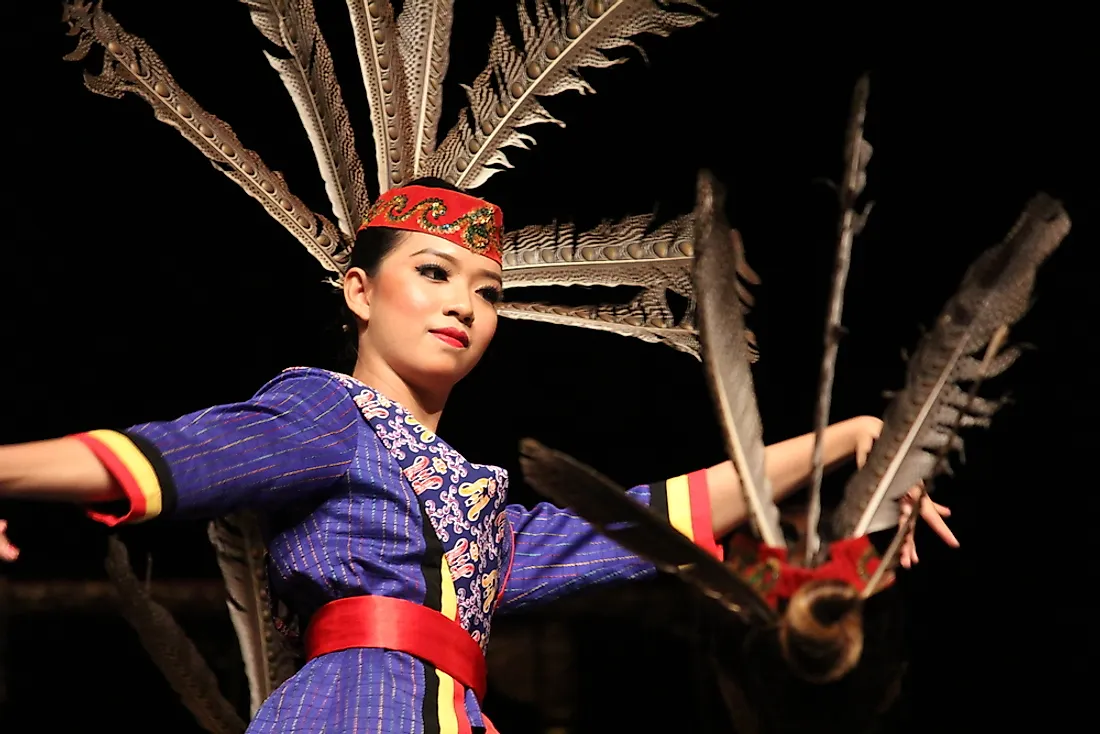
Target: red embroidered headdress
point(465, 220)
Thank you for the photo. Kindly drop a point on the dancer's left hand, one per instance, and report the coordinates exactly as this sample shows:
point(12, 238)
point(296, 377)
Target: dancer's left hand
point(931, 512)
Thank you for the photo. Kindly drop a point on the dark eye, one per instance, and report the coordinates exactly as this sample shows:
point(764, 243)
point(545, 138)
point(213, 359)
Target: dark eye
point(490, 294)
point(432, 271)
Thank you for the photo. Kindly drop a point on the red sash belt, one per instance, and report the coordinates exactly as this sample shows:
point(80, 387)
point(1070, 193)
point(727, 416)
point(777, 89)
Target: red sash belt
point(396, 624)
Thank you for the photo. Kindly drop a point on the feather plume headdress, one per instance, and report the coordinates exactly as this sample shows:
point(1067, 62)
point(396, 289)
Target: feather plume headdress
point(403, 58)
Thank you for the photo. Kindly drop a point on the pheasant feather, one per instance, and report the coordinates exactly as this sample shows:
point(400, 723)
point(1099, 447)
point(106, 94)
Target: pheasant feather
point(555, 47)
point(424, 40)
point(384, 78)
point(310, 78)
point(627, 252)
point(268, 658)
point(170, 648)
point(726, 357)
point(131, 66)
point(857, 153)
point(597, 499)
point(921, 418)
point(893, 551)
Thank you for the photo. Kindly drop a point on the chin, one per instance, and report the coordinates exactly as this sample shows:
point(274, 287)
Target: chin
point(440, 371)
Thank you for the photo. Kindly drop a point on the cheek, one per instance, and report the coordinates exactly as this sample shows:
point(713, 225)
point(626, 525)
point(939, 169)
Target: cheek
point(486, 324)
point(405, 298)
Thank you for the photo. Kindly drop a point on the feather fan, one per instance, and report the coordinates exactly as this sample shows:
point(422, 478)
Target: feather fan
point(241, 552)
point(608, 507)
point(921, 418)
point(310, 78)
point(424, 40)
point(726, 356)
point(170, 648)
point(555, 47)
point(130, 65)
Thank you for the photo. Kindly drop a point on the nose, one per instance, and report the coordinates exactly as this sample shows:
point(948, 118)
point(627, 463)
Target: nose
point(461, 307)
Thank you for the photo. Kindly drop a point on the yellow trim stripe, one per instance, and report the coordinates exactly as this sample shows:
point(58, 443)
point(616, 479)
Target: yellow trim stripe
point(138, 466)
point(679, 505)
point(448, 718)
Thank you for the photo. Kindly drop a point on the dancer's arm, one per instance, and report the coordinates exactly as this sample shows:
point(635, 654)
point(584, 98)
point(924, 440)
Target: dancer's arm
point(554, 552)
point(60, 470)
point(788, 465)
point(293, 439)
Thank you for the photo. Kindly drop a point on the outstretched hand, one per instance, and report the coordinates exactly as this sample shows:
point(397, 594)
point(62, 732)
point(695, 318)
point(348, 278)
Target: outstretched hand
point(931, 512)
point(8, 552)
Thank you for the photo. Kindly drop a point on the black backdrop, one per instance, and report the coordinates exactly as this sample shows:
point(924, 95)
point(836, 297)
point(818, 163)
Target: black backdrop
point(138, 284)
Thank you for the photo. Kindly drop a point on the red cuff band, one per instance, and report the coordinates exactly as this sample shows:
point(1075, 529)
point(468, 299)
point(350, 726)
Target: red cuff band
point(121, 474)
point(702, 526)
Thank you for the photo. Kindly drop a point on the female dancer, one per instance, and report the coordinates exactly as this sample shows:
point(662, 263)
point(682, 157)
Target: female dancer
point(391, 550)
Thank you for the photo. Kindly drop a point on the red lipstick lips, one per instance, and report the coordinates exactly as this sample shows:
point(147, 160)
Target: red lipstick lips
point(455, 337)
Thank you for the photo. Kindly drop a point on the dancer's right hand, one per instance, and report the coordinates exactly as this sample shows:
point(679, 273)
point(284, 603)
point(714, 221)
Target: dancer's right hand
point(8, 552)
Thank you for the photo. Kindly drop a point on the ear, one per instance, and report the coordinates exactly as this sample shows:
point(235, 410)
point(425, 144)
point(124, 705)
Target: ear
point(357, 292)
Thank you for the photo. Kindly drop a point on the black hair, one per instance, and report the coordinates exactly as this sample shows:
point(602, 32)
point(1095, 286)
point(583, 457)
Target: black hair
point(372, 246)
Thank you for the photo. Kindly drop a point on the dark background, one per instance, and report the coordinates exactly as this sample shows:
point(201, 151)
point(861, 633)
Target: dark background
point(137, 284)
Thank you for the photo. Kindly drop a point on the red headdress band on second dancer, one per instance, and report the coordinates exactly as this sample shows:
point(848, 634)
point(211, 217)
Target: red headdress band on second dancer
point(465, 220)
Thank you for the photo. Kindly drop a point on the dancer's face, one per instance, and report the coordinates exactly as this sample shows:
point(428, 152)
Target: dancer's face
point(429, 310)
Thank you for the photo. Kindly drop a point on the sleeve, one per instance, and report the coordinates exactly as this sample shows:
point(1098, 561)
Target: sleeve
point(296, 437)
point(555, 552)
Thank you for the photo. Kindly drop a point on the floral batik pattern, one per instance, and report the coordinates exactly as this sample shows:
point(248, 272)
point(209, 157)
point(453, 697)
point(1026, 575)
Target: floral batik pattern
point(464, 502)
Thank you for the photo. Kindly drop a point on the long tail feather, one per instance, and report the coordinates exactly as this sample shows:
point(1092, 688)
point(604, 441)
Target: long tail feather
point(170, 648)
point(994, 292)
point(310, 78)
point(857, 152)
point(384, 78)
point(597, 499)
point(504, 97)
point(268, 659)
point(726, 357)
point(424, 37)
point(130, 65)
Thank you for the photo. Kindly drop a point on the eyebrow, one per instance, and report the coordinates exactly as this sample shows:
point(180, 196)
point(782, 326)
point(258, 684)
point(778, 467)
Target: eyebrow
point(453, 260)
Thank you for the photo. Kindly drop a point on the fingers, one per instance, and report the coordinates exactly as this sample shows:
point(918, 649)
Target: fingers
point(908, 552)
point(8, 552)
point(870, 428)
point(908, 547)
point(933, 514)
